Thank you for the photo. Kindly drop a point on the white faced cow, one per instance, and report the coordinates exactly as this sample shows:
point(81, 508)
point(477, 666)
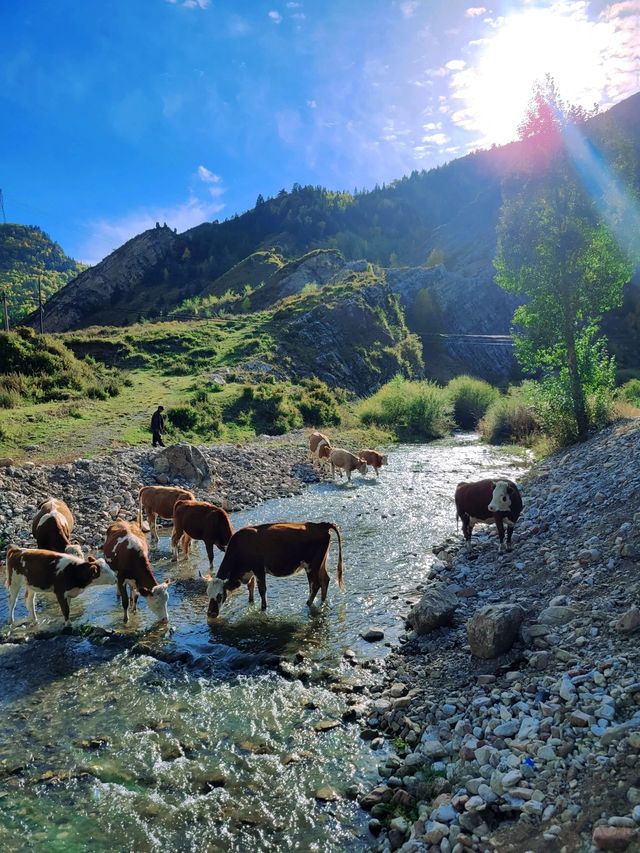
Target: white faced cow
point(488, 502)
point(64, 575)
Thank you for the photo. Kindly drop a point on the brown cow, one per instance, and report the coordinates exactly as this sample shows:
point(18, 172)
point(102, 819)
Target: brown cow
point(52, 527)
point(488, 502)
point(41, 570)
point(159, 501)
point(344, 460)
point(127, 553)
point(319, 449)
point(315, 439)
point(200, 520)
point(373, 458)
point(280, 549)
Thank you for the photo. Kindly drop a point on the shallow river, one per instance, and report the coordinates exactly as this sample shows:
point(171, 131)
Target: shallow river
point(105, 749)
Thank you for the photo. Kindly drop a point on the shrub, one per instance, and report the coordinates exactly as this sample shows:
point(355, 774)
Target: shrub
point(629, 392)
point(184, 418)
point(417, 410)
point(510, 419)
point(470, 398)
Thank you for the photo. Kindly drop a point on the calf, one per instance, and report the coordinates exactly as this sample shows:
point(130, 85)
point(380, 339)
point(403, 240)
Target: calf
point(488, 502)
point(40, 570)
point(343, 460)
point(373, 458)
point(128, 555)
point(280, 549)
point(200, 520)
point(52, 526)
point(159, 501)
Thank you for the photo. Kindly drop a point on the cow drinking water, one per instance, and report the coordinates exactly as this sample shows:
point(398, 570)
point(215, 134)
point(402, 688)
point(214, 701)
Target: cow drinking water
point(127, 553)
point(488, 502)
point(280, 550)
point(373, 458)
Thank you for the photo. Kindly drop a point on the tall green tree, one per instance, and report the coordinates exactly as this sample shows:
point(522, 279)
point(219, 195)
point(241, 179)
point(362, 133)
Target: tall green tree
point(555, 250)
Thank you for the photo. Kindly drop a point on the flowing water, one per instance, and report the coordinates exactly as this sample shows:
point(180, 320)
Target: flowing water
point(104, 747)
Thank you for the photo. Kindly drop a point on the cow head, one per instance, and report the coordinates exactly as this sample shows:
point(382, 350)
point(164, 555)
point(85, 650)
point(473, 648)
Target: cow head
point(158, 600)
point(384, 460)
point(75, 550)
point(362, 468)
point(217, 596)
point(501, 497)
point(100, 572)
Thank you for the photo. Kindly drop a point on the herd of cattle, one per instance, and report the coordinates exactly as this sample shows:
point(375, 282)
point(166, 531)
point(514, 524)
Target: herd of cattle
point(279, 549)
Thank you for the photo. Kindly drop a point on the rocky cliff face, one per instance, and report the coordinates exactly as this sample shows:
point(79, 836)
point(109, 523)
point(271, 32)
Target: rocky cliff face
point(93, 297)
point(357, 341)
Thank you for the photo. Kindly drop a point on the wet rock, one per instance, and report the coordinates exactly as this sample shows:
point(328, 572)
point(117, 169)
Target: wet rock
point(493, 630)
point(372, 635)
point(326, 794)
point(435, 609)
point(326, 725)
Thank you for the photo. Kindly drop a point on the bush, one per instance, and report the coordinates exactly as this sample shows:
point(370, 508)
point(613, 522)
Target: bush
point(510, 419)
point(416, 410)
point(629, 392)
point(184, 418)
point(470, 398)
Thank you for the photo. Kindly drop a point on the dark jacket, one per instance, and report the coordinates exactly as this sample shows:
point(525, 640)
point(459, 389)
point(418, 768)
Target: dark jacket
point(157, 422)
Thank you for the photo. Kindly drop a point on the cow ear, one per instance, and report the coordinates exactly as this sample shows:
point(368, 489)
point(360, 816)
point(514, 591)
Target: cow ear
point(509, 490)
point(94, 570)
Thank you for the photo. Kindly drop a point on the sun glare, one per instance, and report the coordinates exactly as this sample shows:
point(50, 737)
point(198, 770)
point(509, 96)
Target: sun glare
point(527, 46)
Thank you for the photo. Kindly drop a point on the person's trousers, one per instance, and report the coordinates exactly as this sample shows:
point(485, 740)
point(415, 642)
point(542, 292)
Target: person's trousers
point(157, 440)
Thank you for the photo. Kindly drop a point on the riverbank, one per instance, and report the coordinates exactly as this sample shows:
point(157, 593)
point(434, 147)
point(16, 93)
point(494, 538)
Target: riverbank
point(536, 749)
point(105, 488)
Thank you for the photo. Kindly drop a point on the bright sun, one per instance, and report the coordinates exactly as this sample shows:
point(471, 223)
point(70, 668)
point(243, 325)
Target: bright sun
point(526, 47)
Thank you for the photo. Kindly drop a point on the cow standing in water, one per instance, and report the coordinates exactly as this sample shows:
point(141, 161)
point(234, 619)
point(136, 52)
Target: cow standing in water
point(373, 458)
point(200, 520)
point(488, 502)
point(280, 550)
point(52, 527)
point(159, 501)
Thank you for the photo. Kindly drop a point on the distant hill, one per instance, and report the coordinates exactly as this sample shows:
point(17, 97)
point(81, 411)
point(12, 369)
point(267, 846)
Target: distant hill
point(26, 255)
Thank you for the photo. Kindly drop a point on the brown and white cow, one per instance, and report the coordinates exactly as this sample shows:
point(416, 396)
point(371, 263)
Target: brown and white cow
point(373, 458)
point(488, 502)
point(52, 527)
point(200, 520)
point(319, 448)
point(40, 570)
point(344, 460)
point(159, 501)
point(280, 550)
point(127, 553)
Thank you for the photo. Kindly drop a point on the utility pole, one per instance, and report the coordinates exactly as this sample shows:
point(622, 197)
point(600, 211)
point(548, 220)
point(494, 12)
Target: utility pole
point(40, 304)
point(6, 311)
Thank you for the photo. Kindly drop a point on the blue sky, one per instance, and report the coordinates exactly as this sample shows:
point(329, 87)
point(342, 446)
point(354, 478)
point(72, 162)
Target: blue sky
point(118, 113)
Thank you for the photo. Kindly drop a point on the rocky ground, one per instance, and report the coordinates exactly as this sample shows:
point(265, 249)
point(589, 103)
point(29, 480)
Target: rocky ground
point(103, 489)
point(537, 747)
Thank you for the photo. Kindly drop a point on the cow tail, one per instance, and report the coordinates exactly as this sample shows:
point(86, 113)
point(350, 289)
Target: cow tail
point(8, 579)
point(340, 569)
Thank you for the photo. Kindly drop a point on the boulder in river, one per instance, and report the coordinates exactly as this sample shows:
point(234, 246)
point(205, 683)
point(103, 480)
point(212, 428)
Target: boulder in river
point(435, 608)
point(182, 460)
point(492, 630)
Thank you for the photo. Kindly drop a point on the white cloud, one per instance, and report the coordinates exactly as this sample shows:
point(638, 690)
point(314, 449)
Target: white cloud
point(436, 139)
point(408, 8)
point(276, 17)
point(208, 176)
point(312, 104)
point(475, 11)
point(455, 64)
point(106, 235)
point(190, 4)
point(293, 5)
point(432, 125)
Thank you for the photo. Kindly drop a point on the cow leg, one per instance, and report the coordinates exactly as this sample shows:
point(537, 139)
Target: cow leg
point(349, 475)
point(186, 544)
point(64, 606)
point(251, 587)
point(153, 530)
point(175, 536)
point(500, 528)
point(122, 589)
point(14, 589)
point(467, 530)
point(323, 577)
point(30, 598)
point(377, 472)
point(509, 535)
point(262, 589)
point(209, 546)
point(333, 470)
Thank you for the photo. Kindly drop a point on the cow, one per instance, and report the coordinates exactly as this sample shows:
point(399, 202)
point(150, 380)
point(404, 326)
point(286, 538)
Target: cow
point(316, 438)
point(127, 553)
point(488, 502)
point(159, 501)
point(52, 527)
point(41, 570)
point(373, 458)
point(200, 520)
point(344, 460)
point(280, 550)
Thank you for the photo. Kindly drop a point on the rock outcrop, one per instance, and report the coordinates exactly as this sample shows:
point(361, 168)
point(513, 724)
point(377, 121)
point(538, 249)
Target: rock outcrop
point(182, 461)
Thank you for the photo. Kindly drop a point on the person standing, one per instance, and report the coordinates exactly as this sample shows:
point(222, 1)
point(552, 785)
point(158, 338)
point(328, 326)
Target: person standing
point(157, 427)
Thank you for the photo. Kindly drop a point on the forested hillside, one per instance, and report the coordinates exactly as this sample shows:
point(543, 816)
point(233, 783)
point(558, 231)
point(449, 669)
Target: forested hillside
point(26, 255)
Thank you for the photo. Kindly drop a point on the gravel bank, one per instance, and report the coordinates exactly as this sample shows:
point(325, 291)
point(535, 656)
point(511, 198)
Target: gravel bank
point(537, 749)
point(103, 489)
